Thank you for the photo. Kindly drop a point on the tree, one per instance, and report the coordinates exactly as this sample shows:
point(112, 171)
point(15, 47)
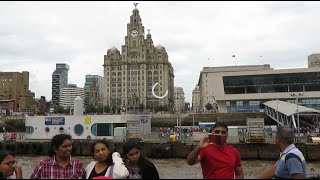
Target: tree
point(114, 109)
point(48, 104)
point(99, 109)
point(209, 106)
point(91, 109)
point(141, 106)
point(107, 109)
point(59, 109)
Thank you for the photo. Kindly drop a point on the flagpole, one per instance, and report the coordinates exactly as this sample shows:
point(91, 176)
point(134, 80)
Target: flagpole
point(234, 56)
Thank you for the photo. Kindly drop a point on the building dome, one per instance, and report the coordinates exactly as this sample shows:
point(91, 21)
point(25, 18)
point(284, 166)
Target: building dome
point(113, 49)
point(159, 46)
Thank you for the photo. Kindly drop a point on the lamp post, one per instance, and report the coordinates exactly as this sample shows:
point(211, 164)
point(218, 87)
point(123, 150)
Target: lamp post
point(297, 99)
point(277, 112)
point(70, 109)
point(103, 106)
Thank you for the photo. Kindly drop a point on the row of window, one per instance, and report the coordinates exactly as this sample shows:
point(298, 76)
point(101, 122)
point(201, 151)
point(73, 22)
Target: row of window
point(134, 73)
point(241, 103)
point(257, 103)
point(98, 129)
point(305, 101)
point(6, 79)
point(149, 66)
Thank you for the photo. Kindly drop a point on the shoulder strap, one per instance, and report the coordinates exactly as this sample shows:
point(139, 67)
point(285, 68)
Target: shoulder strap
point(111, 171)
point(292, 155)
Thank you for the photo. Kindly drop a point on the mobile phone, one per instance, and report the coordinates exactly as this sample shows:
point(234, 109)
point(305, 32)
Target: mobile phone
point(218, 139)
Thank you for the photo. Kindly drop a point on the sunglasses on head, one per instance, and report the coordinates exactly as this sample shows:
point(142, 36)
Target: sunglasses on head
point(220, 132)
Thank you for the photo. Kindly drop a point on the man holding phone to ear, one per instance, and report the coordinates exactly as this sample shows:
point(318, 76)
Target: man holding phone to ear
point(218, 160)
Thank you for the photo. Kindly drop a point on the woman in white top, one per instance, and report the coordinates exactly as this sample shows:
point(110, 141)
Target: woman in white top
point(105, 164)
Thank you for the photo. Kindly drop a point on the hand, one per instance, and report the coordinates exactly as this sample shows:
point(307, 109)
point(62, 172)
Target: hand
point(204, 142)
point(18, 171)
point(116, 154)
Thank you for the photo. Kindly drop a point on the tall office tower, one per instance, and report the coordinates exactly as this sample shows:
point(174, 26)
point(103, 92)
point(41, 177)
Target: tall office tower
point(93, 89)
point(59, 81)
point(179, 100)
point(196, 100)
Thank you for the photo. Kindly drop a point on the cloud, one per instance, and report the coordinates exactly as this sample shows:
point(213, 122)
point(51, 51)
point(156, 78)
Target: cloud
point(34, 36)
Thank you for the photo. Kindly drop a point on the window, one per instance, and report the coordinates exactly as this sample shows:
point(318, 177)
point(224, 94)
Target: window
point(30, 129)
point(254, 103)
point(240, 103)
point(78, 129)
point(228, 103)
point(101, 129)
point(61, 129)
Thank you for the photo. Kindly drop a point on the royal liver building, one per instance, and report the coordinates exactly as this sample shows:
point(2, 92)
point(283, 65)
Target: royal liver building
point(131, 74)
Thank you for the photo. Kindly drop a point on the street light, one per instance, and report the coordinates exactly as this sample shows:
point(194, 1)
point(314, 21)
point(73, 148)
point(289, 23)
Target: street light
point(278, 112)
point(297, 99)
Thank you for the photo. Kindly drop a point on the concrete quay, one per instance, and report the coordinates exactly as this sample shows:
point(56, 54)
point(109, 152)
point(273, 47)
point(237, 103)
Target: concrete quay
point(164, 150)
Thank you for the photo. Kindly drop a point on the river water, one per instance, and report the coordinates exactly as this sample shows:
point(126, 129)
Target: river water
point(170, 168)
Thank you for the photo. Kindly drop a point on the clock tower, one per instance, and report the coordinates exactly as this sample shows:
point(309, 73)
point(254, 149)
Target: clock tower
point(130, 75)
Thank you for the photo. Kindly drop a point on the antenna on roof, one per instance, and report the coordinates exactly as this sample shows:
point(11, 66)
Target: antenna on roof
point(235, 63)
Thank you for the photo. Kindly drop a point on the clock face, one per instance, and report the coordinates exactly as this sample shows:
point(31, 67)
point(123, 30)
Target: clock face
point(134, 33)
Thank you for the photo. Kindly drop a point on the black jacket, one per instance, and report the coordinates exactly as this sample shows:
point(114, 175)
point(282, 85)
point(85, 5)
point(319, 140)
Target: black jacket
point(147, 168)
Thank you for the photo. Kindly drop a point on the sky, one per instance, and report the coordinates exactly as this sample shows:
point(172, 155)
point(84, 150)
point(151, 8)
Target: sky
point(34, 36)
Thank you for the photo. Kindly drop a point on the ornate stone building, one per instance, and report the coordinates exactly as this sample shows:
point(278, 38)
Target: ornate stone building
point(130, 74)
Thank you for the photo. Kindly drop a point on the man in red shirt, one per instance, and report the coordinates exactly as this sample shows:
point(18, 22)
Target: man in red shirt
point(218, 160)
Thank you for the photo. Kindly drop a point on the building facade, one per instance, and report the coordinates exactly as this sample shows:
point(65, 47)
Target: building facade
point(245, 88)
point(68, 95)
point(179, 100)
point(59, 81)
point(196, 100)
point(15, 86)
point(42, 104)
point(93, 89)
point(7, 107)
point(130, 75)
point(314, 60)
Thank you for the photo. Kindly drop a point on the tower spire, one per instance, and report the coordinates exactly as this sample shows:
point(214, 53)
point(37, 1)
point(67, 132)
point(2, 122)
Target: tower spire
point(135, 5)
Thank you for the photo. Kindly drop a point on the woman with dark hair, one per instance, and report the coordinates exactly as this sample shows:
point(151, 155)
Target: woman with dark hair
point(8, 167)
point(59, 164)
point(104, 163)
point(139, 166)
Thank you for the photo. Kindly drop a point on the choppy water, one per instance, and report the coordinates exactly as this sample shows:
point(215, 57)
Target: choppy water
point(170, 168)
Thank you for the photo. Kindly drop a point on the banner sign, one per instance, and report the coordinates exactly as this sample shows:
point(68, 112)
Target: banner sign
point(54, 121)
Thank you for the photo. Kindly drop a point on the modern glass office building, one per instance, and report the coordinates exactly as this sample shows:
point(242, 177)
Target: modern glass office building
point(59, 81)
point(245, 88)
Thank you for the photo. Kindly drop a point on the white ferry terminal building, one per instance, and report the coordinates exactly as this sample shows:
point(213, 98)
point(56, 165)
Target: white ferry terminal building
point(88, 126)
